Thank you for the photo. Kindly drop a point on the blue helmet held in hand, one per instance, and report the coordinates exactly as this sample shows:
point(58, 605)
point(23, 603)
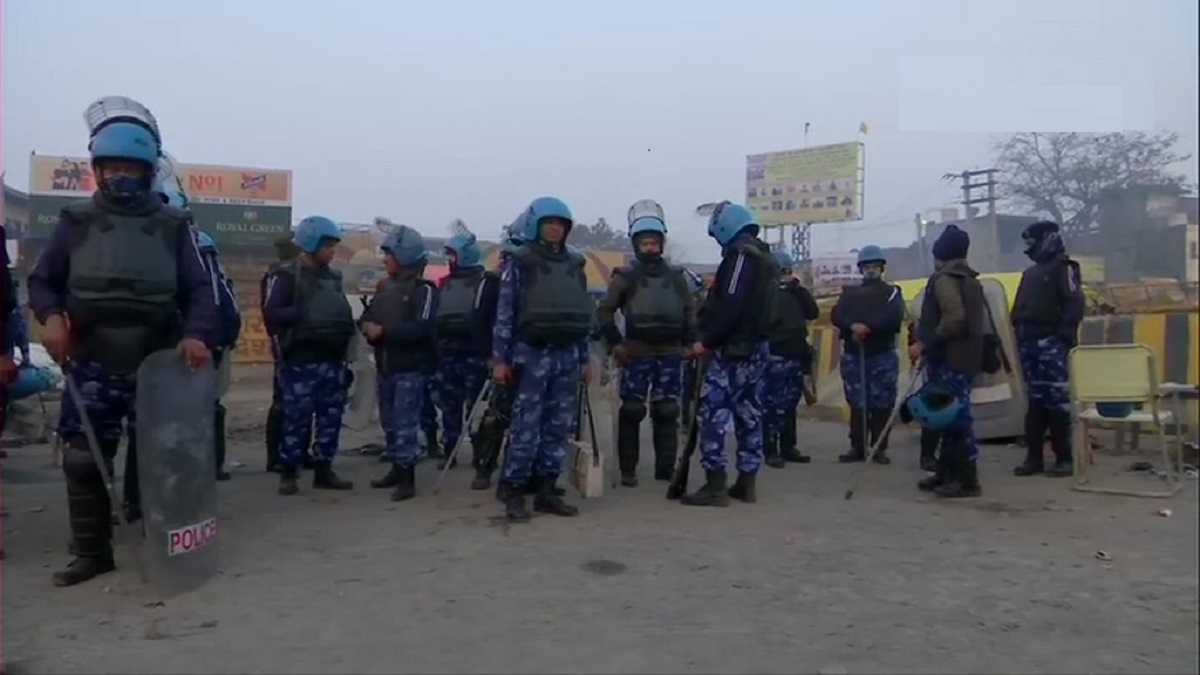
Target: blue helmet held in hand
point(934, 407)
point(541, 209)
point(728, 220)
point(312, 232)
point(406, 246)
point(466, 250)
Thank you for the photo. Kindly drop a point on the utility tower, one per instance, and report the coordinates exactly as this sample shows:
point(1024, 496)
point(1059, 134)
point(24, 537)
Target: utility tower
point(986, 254)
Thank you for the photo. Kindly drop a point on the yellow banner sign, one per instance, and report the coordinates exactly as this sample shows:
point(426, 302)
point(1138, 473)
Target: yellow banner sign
point(812, 185)
point(205, 184)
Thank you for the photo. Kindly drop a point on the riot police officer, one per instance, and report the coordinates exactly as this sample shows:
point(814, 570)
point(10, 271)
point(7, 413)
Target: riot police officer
point(950, 342)
point(1046, 315)
point(869, 318)
point(656, 303)
point(543, 318)
point(120, 279)
point(286, 251)
point(307, 308)
point(464, 334)
point(789, 361)
point(400, 324)
point(734, 330)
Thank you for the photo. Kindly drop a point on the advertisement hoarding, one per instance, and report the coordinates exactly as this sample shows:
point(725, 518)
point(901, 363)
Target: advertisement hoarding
point(831, 271)
point(823, 184)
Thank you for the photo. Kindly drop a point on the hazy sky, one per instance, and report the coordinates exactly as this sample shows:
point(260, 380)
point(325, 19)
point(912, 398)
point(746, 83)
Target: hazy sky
point(423, 111)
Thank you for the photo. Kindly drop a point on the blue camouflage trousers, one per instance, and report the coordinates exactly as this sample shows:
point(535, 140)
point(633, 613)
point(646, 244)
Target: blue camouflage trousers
point(459, 381)
point(883, 372)
point(963, 427)
point(406, 395)
point(731, 400)
point(1044, 362)
point(781, 393)
point(544, 412)
point(659, 378)
point(109, 400)
point(312, 390)
point(387, 412)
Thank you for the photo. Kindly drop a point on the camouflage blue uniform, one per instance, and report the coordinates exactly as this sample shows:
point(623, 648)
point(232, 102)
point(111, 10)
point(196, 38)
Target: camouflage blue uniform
point(387, 412)
point(429, 417)
point(547, 392)
point(312, 390)
point(1044, 363)
point(731, 400)
point(782, 392)
point(459, 380)
point(405, 392)
point(883, 372)
point(109, 397)
point(659, 378)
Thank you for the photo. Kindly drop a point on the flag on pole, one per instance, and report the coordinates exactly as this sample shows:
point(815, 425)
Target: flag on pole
point(863, 128)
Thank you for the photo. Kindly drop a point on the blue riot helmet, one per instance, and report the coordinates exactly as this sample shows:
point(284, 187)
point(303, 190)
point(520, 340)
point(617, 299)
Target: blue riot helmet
point(113, 109)
point(784, 261)
point(934, 406)
point(130, 143)
point(646, 225)
point(406, 246)
point(542, 209)
point(728, 220)
point(313, 231)
point(205, 243)
point(645, 208)
point(466, 250)
point(871, 254)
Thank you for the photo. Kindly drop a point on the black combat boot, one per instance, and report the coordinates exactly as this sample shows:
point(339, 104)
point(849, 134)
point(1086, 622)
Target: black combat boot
point(534, 485)
point(1036, 423)
point(929, 447)
point(664, 433)
point(89, 513)
point(219, 442)
point(513, 497)
point(389, 480)
point(1060, 443)
point(406, 484)
point(629, 442)
point(549, 499)
point(964, 482)
point(324, 478)
point(310, 462)
point(877, 421)
point(787, 442)
point(857, 439)
point(743, 488)
point(287, 480)
point(712, 493)
point(274, 424)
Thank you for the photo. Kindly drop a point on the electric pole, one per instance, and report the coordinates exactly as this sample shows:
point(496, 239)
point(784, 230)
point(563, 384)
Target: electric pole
point(970, 198)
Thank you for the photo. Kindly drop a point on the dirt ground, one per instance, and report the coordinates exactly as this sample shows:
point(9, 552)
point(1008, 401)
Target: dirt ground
point(1032, 578)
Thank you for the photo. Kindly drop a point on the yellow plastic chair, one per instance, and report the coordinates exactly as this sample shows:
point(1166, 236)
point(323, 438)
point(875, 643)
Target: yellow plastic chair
point(1119, 374)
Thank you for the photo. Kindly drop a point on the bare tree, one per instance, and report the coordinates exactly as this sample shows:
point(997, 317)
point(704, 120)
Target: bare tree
point(1062, 175)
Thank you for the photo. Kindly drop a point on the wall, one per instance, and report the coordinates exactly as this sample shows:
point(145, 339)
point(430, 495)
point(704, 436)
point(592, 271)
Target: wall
point(1174, 338)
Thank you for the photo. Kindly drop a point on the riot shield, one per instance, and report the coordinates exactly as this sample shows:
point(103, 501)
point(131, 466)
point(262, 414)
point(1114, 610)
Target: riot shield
point(361, 401)
point(174, 408)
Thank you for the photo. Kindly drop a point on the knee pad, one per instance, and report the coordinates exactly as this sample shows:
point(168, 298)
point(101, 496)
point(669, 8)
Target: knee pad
point(632, 410)
point(664, 410)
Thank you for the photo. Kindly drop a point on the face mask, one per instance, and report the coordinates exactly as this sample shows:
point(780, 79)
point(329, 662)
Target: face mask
point(123, 188)
point(872, 275)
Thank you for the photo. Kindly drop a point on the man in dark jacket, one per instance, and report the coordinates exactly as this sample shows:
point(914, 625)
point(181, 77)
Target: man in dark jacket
point(950, 340)
point(787, 364)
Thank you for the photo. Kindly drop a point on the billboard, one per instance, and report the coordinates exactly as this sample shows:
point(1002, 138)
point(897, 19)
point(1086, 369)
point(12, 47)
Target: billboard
point(835, 270)
point(823, 184)
point(239, 206)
